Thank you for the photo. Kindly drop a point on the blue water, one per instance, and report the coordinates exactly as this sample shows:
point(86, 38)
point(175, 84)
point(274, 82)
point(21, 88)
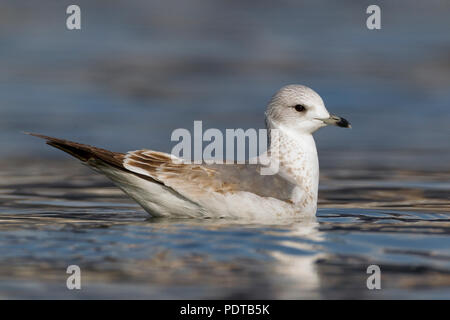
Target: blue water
point(140, 69)
point(59, 213)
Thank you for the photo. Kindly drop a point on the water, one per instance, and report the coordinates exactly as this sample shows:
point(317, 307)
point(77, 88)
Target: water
point(52, 219)
point(140, 69)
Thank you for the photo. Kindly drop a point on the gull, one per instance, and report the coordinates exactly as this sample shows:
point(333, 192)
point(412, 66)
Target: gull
point(167, 186)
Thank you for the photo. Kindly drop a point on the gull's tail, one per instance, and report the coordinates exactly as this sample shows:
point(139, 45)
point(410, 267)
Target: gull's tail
point(84, 152)
point(151, 194)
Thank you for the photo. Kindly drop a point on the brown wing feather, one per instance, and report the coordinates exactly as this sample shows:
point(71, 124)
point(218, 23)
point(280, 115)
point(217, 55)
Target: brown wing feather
point(195, 180)
point(187, 179)
point(175, 174)
point(84, 152)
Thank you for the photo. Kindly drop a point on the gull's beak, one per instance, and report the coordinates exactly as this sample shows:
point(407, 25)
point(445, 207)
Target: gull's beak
point(337, 121)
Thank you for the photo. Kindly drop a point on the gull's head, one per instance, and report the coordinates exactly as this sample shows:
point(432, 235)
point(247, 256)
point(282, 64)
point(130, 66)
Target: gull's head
point(300, 109)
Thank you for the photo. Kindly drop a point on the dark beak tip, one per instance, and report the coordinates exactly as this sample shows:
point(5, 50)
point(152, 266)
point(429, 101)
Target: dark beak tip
point(343, 123)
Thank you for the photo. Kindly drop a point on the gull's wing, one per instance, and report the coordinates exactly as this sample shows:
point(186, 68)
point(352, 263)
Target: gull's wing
point(83, 152)
point(194, 180)
point(86, 153)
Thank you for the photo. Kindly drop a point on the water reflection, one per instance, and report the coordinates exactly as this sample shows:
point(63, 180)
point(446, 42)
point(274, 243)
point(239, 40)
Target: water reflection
point(300, 270)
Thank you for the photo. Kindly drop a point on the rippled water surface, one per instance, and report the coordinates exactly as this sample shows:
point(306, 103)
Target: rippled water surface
point(51, 219)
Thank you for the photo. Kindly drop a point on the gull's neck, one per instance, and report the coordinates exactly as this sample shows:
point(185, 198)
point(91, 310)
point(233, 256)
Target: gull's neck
point(298, 163)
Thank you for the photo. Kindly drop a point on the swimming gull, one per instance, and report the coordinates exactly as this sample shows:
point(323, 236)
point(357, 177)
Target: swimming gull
point(166, 186)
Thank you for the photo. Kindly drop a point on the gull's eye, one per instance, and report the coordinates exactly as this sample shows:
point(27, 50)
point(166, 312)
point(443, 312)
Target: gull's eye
point(299, 108)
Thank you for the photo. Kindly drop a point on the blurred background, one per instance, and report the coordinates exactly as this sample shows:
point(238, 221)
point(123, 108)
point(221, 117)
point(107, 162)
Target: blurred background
point(140, 69)
point(137, 70)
